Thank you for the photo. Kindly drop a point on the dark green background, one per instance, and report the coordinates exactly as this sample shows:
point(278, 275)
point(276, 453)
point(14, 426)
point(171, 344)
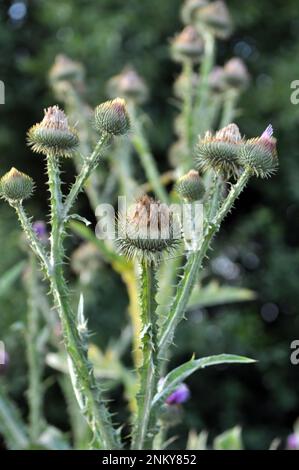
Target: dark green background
point(261, 237)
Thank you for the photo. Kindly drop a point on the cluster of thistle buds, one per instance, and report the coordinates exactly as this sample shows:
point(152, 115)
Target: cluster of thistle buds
point(228, 153)
point(55, 138)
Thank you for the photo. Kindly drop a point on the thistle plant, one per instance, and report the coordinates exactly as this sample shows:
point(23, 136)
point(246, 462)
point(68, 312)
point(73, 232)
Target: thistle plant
point(158, 260)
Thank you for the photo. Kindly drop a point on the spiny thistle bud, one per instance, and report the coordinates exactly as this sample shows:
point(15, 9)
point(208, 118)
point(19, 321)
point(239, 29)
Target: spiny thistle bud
point(66, 69)
point(190, 186)
point(189, 9)
point(129, 85)
point(260, 154)
point(217, 80)
point(236, 74)
point(53, 136)
point(220, 152)
point(16, 186)
point(215, 16)
point(187, 45)
point(149, 229)
point(112, 117)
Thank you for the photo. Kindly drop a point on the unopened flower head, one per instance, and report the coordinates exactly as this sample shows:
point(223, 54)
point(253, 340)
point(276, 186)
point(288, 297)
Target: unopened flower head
point(66, 69)
point(236, 73)
point(129, 85)
point(112, 117)
point(217, 80)
point(148, 230)
point(220, 152)
point(178, 153)
point(190, 186)
point(16, 186)
point(260, 154)
point(216, 17)
point(187, 45)
point(53, 136)
point(189, 9)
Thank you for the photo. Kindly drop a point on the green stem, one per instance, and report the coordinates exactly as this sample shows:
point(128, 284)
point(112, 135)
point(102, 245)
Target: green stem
point(146, 158)
point(192, 266)
point(148, 371)
point(229, 107)
point(88, 166)
point(88, 393)
point(35, 390)
point(187, 113)
point(203, 89)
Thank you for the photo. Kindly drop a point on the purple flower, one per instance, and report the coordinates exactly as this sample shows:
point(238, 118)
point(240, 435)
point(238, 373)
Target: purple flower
point(293, 442)
point(40, 229)
point(180, 395)
point(268, 133)
point(4, 361)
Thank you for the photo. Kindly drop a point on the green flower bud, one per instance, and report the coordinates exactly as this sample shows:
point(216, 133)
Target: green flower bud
point(189, 9)
point(220, 152)
point(217, 80)
point(190, 186)
point(260, 154)
point(16, 186)
point(148, 230)
point(53, 135)
point(182, 85)
point(112, 117)
point(215, 16)
point(187, 45)
point(178, 153)
point(129, 85)
point(236, 74)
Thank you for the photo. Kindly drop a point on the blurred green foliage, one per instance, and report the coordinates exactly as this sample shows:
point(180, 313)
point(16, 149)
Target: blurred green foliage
point(259, 243)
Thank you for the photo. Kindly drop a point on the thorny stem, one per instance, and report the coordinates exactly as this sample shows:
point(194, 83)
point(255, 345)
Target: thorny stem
point(148, 371)
point(192, 267)
point(88, 166)
point(88, 393)
point(35, 389)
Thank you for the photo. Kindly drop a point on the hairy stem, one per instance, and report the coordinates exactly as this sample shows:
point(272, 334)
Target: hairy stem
point(229, 107)
point(87, 391)
point(148, 371)
point(35, 389)
point(192, 267)
point(187, 113)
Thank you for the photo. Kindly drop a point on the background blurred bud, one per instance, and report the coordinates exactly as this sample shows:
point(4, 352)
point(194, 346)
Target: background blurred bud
point(66, 69)
point(190, 186)
point(129, 85)
point(216, 17)
point(217, 80)
point(85, 261)
point(112, 117)
point(236, 73)
point(189, 9)
point(53, 135)
point(4, 362)
point(187, 45)
point(182, 85)
point(40, 228)
point(180, 395)
point(293, 442)
point(16, 186)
